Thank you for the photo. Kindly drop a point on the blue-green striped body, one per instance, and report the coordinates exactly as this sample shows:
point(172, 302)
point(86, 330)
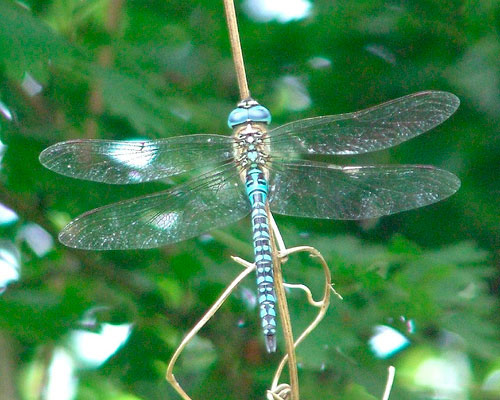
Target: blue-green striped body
point(256, 187)
point(249, 122)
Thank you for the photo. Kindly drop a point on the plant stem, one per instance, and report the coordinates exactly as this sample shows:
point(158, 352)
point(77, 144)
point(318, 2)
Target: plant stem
point(234, 38)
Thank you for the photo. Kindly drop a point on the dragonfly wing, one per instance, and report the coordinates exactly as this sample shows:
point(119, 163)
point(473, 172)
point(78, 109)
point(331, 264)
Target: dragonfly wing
point(123, 162)
point(375, 128)
point(317, 190)
point(200, 205)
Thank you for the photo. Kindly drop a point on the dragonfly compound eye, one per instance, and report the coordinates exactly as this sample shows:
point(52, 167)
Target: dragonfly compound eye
point(237, 116)
point(259, 114)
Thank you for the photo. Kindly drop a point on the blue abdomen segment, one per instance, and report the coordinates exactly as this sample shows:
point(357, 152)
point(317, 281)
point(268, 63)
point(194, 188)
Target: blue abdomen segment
point(256, 187)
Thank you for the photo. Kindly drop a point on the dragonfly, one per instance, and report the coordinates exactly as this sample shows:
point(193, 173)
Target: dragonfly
point(250, 170)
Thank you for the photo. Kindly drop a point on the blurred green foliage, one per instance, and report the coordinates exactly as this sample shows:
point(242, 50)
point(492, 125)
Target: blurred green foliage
point(165, 69)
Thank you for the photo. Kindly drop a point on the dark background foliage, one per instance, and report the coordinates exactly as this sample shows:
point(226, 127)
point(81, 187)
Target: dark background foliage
point(163, 68)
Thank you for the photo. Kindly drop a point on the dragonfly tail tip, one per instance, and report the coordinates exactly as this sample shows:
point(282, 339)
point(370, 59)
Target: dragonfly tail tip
point(271, 343)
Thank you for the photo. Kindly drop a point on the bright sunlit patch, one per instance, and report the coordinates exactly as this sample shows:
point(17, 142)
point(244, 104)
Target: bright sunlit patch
point(7, 216)
point(61, 382)
point(23, 5)
point(37, 238)
point(320, 62)
point(4, 110)
point(410, 326)
point(281, 10)
point(248, 297)
point(387, 341)
point(181, 111)
point(93, 349)
point(89, 319)
point(9, 264)
point(292, 93)
point(206, 238)
point(30, 85)
point(3, 147)
point(470, 292)
point(447, 376)
point(492, 382)
point(8, 273)
point(382, 52)
point(124, 154)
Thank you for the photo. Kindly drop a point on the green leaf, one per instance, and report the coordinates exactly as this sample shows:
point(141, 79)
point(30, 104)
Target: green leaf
point(28, 45)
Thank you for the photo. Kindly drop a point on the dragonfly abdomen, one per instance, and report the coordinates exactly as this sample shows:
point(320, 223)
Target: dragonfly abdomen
point(256, 187)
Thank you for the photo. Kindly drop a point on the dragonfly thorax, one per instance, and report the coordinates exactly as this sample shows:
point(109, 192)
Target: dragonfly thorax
point(251, 145)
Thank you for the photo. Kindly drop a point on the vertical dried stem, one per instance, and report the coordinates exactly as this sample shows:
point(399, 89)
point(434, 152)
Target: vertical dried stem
point(114, 16)
point(390, 380)
point(239, 66)
point(323, 304)
point(7, 367)
point(234, 37)
point(284, 315)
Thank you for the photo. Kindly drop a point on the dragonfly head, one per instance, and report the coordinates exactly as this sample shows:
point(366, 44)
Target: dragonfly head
point(248, 110)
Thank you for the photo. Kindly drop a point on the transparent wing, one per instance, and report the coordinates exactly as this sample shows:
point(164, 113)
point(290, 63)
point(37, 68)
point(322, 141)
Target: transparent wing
point(375, 128)
point(200, 205)
point(317, 190)
point(135, 161)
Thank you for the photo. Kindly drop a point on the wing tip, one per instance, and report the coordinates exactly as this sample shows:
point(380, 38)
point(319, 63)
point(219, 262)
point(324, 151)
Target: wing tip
point(452, 181)
point(68, 239)
point(452, 100)
point(71, 234)
point(455, 183)
point(44, 156)
point(48, 157)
